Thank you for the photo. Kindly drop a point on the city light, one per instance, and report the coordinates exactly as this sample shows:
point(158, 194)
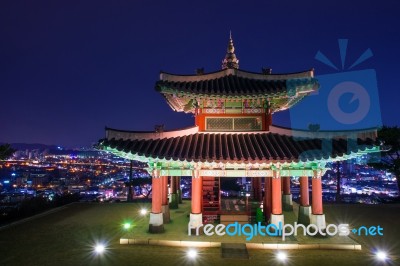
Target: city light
point(381, 255)
point(192, 254)
point(282, 256)
point(143, 211)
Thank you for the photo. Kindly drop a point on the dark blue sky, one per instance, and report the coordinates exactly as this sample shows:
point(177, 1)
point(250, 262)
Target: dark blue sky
point(68, 68)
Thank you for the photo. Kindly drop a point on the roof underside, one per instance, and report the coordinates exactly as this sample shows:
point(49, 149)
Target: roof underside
point(238, 148)
point(282, 91)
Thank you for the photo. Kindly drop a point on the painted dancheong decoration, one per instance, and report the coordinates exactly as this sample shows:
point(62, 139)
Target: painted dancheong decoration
point(234, 136)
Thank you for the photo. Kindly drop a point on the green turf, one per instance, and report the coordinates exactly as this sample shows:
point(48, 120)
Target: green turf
point(66, 237)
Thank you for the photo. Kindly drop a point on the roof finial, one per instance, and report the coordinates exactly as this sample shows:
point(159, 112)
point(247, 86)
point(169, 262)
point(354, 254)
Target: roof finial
point(230, 60)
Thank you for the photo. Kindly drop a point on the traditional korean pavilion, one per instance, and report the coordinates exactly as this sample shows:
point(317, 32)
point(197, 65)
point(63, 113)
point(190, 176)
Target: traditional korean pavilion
point(234, 136)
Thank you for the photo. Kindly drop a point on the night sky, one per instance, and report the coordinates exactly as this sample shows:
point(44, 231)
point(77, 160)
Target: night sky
point(70, 68)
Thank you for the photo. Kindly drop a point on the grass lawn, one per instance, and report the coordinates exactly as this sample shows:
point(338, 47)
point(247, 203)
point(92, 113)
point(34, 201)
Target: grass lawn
point(67, 237)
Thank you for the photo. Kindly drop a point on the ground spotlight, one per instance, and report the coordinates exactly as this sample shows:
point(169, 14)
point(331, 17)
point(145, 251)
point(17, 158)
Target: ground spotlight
point(143, 211)
point(281, 256)
point(99, 248)
point(192, 254)
point(127, 226)
point(381, 255)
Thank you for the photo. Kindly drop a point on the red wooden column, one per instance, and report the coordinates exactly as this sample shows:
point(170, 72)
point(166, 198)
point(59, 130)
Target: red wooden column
point(276, 215)
point(156, 198)
point(257, 188)
point(316, 194)
point(304, 193)
point(177, 184)
point(253, 185)
point(267, 197)
point(304, 208)
point(179, 189)
point(164, 190)
point(197, 186)
point(173, 203)
point(196, 217)
point(317, 216)
point(165, 206)
point(276, 194)
point(286, 196)
point(286, 185)
point(156, 224)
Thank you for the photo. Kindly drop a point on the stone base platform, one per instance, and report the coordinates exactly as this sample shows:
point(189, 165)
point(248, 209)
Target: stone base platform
point(213, 244)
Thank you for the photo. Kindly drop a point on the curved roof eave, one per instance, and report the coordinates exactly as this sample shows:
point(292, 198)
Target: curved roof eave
point(165, 76)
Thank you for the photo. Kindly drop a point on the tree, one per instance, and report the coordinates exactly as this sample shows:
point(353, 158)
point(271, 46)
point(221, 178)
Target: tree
point(259, 215)
point(390, 155)
point(6, 151)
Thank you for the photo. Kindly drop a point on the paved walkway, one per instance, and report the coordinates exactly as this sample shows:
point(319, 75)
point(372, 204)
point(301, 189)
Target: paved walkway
point(176, 234)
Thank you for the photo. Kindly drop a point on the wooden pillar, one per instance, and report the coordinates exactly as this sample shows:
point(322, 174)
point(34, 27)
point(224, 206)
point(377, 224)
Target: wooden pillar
point(156, 224)
point(267, 197)
point(304, 214)
point(173, 197)
point(276, 194)
point(304, 193)
point(286, 196)
point(197, 191)
point(172, 184)
point(165, 205)
point(316, 194)
point(179, 189)
point(156, 198)
point(317, 214)
point(286, 185)
point(176, 180)
point(253, 186)
point(164, 190)
point(277, 217)
point(196, 217)
point(257, 188)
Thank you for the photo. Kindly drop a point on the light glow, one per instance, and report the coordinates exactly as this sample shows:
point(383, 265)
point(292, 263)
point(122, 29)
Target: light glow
point(381, 255)
point(282, 256)
point(99, 248)
point(192, 254)
point(127, 226)
point(143, 211)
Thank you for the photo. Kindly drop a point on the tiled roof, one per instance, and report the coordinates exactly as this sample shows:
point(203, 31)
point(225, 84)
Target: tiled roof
point(233, 85)
point(242, 147)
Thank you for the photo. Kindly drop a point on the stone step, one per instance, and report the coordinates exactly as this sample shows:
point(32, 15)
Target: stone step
point(234, 251)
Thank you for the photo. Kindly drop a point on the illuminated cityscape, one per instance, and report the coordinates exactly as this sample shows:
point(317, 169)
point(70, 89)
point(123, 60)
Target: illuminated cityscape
point(97, 176)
